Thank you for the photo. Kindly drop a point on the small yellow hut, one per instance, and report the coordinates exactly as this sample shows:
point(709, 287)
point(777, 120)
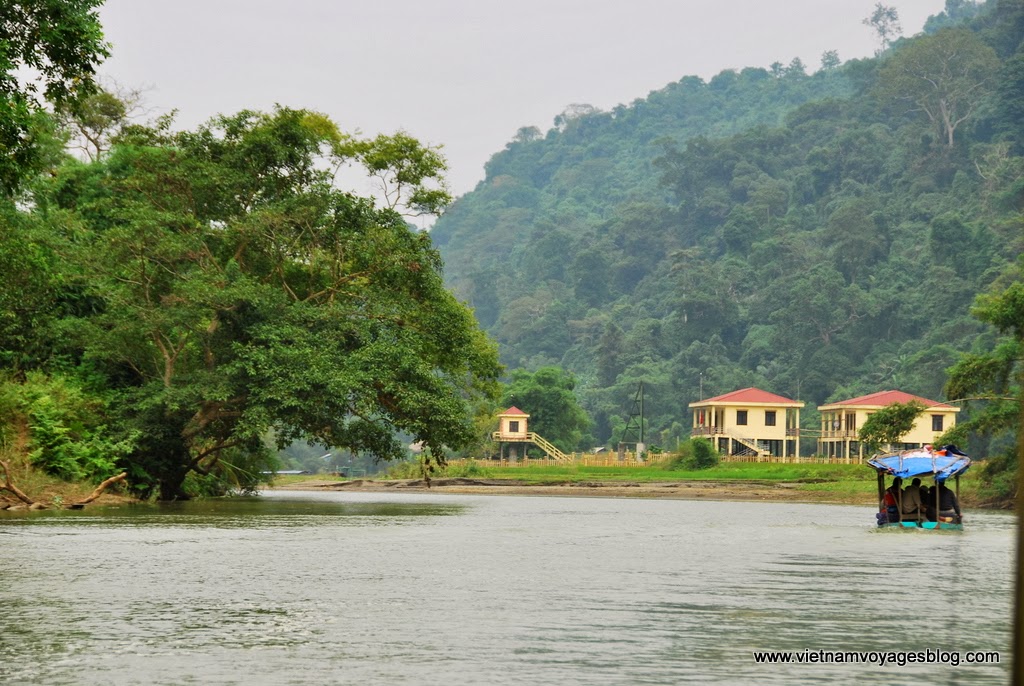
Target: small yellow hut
point(512, 425)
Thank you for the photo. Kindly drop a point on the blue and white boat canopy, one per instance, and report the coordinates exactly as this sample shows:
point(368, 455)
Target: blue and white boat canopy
point(940, 464)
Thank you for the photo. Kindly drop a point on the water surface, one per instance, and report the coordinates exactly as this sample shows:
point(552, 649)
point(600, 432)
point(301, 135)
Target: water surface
point(339, 588)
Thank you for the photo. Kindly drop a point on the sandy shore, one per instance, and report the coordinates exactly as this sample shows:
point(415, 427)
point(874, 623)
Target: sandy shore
point(689, 490)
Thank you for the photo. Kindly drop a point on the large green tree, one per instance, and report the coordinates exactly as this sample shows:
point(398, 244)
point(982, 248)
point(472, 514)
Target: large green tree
point(989, 382)
point(240, 292)
point(998, 378)
point(49, 50)
point(547, 396)
point(889, 424)
point(946, 76)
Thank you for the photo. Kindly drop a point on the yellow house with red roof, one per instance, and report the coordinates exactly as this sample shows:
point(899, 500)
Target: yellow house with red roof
point(841, 421)
point(749, 422)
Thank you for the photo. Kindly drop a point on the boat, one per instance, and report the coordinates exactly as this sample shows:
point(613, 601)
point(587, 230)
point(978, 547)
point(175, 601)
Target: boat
point(927, 462)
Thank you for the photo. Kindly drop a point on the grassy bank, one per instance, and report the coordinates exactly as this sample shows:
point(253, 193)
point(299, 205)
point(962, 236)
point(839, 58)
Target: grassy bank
point(820, 482)
point(44, 489)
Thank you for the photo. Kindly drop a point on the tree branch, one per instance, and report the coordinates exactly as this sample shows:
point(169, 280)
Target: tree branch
point(8, 486)
point(102, 487)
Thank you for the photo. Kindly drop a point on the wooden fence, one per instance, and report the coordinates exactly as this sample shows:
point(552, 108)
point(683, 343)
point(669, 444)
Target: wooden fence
point(814, 459)
point(611, 459)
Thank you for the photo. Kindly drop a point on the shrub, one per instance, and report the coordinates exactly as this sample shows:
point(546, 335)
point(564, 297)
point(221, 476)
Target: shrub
point(704, 453)
point(409, 469)
point(695, 453)
point(68, 433)
point(467, 469)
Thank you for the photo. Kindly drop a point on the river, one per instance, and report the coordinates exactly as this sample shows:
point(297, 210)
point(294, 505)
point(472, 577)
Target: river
point(365, 588)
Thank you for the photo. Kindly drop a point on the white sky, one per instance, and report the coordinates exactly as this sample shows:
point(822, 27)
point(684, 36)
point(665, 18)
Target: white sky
point(465, 74)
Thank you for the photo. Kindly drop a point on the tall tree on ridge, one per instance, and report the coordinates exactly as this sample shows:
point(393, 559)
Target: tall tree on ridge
point(945, 76)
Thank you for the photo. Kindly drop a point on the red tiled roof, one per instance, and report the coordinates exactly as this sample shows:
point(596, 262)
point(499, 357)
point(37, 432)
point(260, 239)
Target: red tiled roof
point(749, 395)
point(884, 398)
point(513, 410)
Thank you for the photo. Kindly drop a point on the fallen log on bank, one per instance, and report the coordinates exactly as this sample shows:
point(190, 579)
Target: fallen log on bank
point(8, 486)
point(99, 490)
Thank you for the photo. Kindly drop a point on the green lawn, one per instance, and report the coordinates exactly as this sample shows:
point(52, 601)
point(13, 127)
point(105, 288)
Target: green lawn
point(725, 471)
point(841, 482)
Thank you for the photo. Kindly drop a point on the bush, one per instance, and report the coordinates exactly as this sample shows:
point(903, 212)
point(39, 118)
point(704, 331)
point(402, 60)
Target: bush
point(467, 469)
point(408, 469)
point(695, 453)
point(67, 423)
point(704, 454)
point(999, 477)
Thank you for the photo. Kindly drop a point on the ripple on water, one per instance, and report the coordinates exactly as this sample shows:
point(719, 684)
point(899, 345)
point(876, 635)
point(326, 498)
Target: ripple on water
point(410, 588)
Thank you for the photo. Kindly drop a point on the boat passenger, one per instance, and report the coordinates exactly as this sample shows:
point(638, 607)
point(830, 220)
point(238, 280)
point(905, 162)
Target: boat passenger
point(912, 502)
point(891, 500)
point(949, 507)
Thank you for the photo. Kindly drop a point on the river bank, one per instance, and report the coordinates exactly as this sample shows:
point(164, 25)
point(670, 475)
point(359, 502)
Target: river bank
point(787, 486)
point(681, 490)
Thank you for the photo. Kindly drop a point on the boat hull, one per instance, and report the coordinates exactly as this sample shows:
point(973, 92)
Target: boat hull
point(929, 526)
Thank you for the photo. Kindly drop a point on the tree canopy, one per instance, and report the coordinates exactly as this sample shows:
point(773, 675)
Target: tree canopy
point(946, 76)
point(49, 50)
point(227, 288)
point(547, 396)
point(884, 428)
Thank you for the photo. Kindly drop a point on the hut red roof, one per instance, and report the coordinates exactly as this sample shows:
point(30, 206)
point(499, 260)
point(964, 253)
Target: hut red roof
point(883, 398)
point(749, 395)
point(513, 410)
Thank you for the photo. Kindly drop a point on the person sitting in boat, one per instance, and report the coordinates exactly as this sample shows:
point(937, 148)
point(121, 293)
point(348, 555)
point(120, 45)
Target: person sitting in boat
point(949, 506)
point(891, 500)
point(912, 501)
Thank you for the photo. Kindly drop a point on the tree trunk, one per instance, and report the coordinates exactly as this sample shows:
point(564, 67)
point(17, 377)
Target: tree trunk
point(172, 475)
point(172, 487)
point(1017, 651)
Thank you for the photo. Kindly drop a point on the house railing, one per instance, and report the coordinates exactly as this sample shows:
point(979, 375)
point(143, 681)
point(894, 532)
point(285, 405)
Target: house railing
point(844, 434)
point(549, 448)
point(610, 459)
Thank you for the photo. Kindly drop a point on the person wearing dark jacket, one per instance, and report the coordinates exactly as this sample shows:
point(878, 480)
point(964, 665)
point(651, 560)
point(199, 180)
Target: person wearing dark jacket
point(949, 506)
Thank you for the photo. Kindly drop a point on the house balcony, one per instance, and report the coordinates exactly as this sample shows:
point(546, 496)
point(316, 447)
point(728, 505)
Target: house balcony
point(840, 435)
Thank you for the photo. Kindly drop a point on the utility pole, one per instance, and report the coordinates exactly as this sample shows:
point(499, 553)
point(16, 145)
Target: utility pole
point(633, 426)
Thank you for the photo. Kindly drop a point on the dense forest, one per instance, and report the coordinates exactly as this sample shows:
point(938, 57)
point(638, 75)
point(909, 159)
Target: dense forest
point(819, 235)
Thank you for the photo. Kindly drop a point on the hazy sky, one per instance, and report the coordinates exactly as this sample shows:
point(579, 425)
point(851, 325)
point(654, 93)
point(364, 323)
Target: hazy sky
point(465, 74)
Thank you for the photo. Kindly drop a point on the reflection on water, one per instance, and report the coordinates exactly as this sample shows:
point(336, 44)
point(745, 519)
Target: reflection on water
point(407, 588)
point(227, 513)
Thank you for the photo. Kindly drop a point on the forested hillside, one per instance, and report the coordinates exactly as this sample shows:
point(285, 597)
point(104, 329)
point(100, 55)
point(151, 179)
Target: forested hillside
point(819, 235)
